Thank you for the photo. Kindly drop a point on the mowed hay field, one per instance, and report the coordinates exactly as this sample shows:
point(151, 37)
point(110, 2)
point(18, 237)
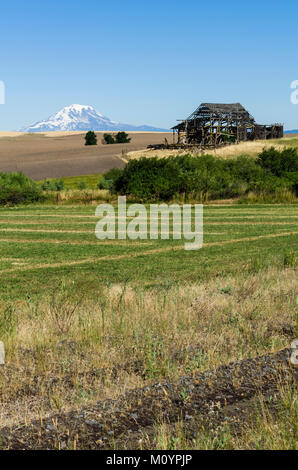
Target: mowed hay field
point(41, 244)
point(54, 155)
point(110, 343)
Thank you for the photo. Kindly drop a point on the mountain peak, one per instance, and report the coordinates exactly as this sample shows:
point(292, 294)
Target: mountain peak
point(78, 117)
point(78, 108)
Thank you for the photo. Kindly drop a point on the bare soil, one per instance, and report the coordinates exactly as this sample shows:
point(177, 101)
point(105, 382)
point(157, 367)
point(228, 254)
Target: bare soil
point(215, 396)
point(42, 156)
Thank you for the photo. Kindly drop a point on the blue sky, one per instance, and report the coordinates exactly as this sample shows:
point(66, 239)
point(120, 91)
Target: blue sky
point(147, 62)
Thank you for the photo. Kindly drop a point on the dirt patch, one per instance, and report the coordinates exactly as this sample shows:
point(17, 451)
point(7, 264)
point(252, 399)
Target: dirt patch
point(212, 396)
point(40, 156)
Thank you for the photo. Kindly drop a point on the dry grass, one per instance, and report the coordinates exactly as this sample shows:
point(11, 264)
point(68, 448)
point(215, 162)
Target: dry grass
point(264, 422)
point(64, 351)
point(230, 151)
point(244, 148)
point(77, 196)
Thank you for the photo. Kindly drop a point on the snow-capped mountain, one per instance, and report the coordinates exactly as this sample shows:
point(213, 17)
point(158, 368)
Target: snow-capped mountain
point(79, 117)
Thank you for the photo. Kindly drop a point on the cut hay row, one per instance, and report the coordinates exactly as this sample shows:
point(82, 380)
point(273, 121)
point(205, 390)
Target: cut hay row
point(215, 216)
point(34, 230)
point(25, 230)
point(250, 223)
point(143, 253)
point(86, 243)
point(69, 242)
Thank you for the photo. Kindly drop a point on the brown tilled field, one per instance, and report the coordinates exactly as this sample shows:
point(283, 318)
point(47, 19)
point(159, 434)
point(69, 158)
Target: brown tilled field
point(62, 154)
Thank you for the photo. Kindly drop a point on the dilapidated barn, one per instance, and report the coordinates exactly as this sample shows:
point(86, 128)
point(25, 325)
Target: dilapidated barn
point(213, 124)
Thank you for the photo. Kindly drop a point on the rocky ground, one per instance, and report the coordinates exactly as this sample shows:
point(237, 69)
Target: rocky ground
point(225, 395)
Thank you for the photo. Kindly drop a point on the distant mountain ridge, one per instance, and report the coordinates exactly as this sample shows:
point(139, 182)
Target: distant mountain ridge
point(79, 117)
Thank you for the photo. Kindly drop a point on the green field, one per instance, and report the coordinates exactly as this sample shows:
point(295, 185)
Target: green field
point(83, 321)
point(73, 182)
point(40, 245)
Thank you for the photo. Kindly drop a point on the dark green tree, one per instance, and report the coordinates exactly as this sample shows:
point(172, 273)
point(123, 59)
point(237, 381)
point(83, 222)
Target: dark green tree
point(122, 138)
point(108, 139)
point(90, 138)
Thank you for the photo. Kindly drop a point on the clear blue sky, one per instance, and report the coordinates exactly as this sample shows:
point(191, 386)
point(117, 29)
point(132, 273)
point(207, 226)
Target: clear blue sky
point(147, 62)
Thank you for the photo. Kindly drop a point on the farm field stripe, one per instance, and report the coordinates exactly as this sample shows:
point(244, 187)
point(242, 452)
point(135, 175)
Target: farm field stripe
point(98, 243)
point(33, 230)
point(65, 221)
point(66, 242)
point(28, 230)
point(144, 253)
point(250, 223)
point(213, 216)
point(91, 222)
point(25, 230)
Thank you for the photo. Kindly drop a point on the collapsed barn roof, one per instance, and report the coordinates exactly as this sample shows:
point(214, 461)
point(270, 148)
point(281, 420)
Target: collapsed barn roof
point(214, 109)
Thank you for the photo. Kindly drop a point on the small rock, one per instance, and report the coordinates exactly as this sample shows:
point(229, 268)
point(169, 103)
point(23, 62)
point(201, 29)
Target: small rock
point(91, 422)
point(51, 427)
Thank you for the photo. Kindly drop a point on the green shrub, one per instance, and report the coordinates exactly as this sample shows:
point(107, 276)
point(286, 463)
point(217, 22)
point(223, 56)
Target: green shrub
point(163, 179)
point(205, 177)
point(113, 174)
point(90, 138)
point(82, 185)
point(279, 163)
point(109, 178)
point(119, 138)
point(56, 185)
point(17, 188)
point(59, 185)
point(108, 139)
point(244, 168)
point(122, 138)
point(105, 184)
point(149, 178)
point(46, 185)
point(282, 164)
